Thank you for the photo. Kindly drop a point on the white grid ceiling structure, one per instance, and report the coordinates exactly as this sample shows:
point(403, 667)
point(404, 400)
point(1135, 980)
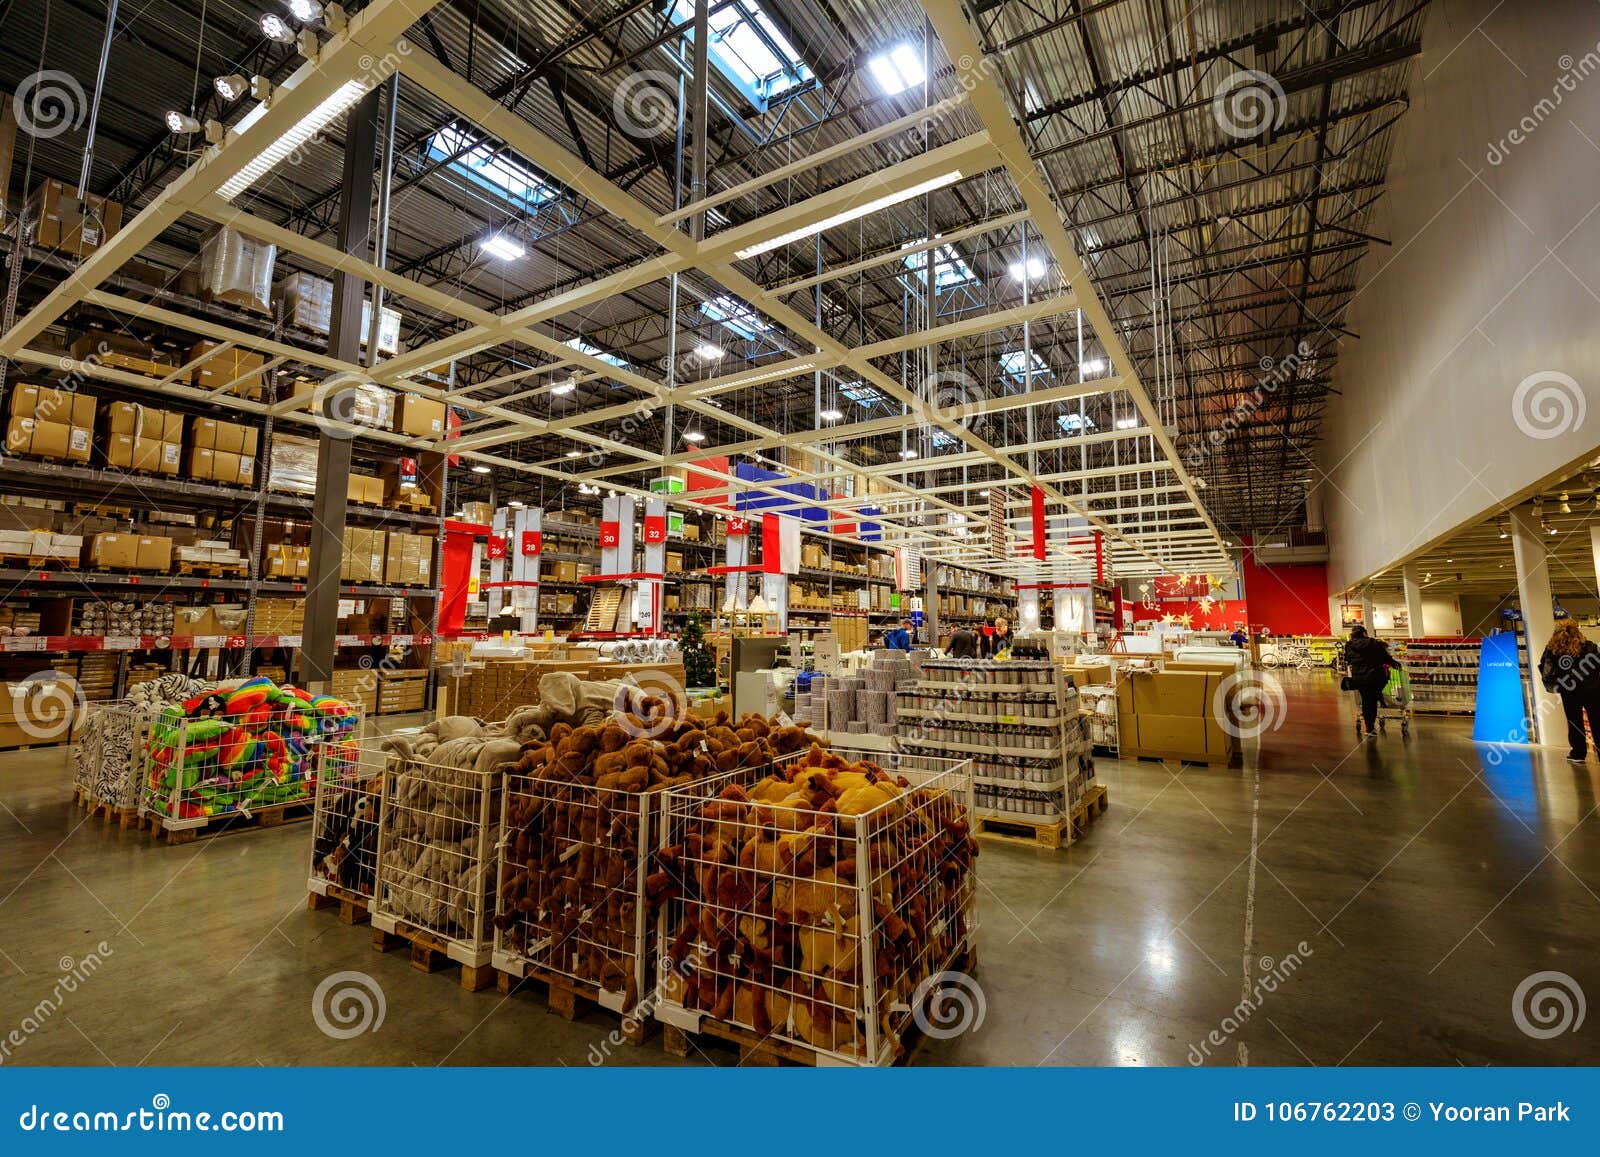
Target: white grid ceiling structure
point(969, 130)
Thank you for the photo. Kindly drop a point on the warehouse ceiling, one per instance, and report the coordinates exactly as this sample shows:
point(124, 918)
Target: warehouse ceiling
point(1146, 221)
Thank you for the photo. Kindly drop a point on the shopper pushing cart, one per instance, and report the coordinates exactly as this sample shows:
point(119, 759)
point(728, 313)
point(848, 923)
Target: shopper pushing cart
point(1367, 665)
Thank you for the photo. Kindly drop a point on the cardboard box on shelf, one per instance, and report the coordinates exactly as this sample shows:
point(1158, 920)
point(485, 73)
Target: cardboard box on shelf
point(200, 464)
point(419, 417)
point(364, 554)
point(64, 223)
point(366, 491)
point(154, 552)
point(233, 366)
point(130, 452)
point(48, 404)
point(113, 552)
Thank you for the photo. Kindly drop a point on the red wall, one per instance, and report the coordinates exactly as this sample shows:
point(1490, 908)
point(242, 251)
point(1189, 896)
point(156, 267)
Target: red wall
point(1223, 615)
point(1290, 600)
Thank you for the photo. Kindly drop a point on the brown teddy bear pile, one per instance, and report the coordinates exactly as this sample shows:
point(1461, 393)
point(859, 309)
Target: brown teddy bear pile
point(773, 906)
point(572, 863)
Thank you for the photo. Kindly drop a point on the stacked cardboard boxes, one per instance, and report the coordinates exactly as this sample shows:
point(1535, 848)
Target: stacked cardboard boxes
point(212, 554)
point(357, 687)
point(408, 560)
point(1173, 715)
point(364, 555)
point(223, 452)
point(129, 552)
point(419, 417)
point(284, 561)
point(64, 223)
point(42, 545)
point(145, 439)
point(280, 616)
point(366, 491)
point(241, 369)
point(402, 690)
point(50, 423)
point(308, 304)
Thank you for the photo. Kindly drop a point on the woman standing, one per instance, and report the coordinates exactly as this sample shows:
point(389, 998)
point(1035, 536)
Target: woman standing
point(1570, 667)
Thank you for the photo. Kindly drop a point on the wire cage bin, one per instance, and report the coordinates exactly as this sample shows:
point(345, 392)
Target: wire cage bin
point(240, 751)
point(344, 821)
point(820, 920)
point(570, 898)
point(438, 830)
point(105, 754)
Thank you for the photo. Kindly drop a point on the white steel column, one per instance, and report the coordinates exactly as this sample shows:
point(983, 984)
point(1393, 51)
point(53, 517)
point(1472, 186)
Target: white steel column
point(1413, 583)
point(1594, 549)
point(1538, 615)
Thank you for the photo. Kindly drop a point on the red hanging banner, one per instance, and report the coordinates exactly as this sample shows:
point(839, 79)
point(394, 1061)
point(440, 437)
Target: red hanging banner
point(655, 528)
point(496, 547)
point(1038, 523)
point(610, 533)
point(532, 542)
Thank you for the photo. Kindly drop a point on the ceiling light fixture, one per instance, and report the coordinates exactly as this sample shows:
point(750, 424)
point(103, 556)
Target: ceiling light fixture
point(830, 415)
point(908, 454)
point(574, 453)
point(302, 131)
point(1092, 366)
point(502, 247)
point(305, 10)
point(515, 503)
point(181, 124)
point(1035, 269)
point(565, 387)
point(232, 87)
point(849, 215)
point(693, 436)
point(708, 352)
point(276, 28)
point(752, 379)
point(480, 469)
point(1127, 423)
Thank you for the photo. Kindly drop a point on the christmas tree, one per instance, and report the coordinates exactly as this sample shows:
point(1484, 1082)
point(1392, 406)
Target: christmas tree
point(699, 668)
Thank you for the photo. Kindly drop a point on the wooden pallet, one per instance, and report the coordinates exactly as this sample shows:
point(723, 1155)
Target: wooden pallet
point(354, 908)
point(430, 953)
point(35, 561)
point(211, 570)
point(266, 816)
point(572, 999)
point(756, 1051)
point(1094, 803)
point(1041, 833)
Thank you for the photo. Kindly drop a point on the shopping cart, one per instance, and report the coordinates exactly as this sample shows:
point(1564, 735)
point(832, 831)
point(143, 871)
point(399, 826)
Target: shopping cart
point(1394, 705)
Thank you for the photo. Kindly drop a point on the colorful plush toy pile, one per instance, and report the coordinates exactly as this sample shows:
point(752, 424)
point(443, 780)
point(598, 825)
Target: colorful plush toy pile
point(239, 746)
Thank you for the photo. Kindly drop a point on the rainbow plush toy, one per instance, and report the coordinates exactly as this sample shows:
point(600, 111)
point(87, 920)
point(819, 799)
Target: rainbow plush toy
point(240, 745)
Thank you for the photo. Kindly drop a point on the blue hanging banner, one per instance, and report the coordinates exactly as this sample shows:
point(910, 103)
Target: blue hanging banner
point(1500, 715)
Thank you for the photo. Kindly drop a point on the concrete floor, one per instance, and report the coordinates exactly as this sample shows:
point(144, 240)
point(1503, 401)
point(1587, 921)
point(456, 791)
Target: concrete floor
point(1425, 880)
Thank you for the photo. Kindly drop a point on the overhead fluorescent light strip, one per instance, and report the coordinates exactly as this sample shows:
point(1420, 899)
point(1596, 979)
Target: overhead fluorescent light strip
point(285, 146)
point(752, 379)
point(849, 215)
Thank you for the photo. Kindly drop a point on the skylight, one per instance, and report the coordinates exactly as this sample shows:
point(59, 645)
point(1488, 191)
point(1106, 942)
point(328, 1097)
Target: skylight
point(1075, 423)
point(860, 393)
point(949, 269)
point(1011, 364)
point(583, 347)
point(941, 438)
point(748, 49)
point(490, 167)
point(736, 315)
point(898, 69)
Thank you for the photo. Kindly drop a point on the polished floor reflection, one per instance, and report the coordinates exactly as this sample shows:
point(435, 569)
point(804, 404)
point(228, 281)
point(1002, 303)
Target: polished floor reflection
point(1330, 902)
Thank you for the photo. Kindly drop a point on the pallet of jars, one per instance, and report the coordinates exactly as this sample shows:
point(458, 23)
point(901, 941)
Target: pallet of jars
point(579, 873)
point(234, 754)
point(819, 912)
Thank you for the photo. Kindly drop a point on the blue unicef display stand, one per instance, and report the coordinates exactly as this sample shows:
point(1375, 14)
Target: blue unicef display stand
point(1501, 716)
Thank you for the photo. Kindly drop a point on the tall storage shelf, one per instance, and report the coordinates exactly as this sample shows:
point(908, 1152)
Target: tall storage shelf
point(1443, 674)
point(1020, 723)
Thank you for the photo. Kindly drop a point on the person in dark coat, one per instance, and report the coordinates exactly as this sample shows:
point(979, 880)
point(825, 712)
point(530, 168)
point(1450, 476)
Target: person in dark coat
point(1369, 662)
point(963, 645)
point(1570, 667)
point(997, 641)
